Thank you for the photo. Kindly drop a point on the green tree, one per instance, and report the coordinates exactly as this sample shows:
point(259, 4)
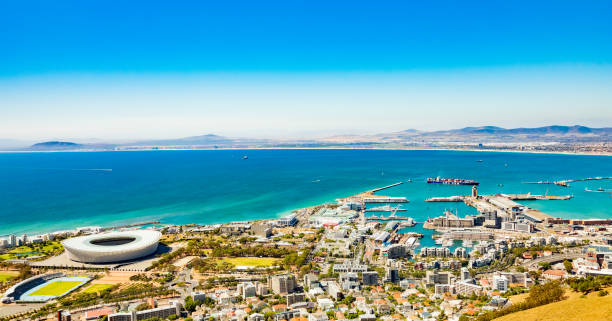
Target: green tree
point(143, 306)
point(190, 305)
point(568, 266)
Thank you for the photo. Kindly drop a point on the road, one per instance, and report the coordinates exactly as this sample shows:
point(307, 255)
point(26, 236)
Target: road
point(184, 276)
point(534, 264)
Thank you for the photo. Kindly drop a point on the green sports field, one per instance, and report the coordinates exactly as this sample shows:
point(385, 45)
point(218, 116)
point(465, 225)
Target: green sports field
point(56, 288)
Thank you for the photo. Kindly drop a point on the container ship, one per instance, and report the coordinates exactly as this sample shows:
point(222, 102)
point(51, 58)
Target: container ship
point(451, 181)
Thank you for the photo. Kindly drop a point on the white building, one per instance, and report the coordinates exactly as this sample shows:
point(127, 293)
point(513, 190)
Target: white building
point(500, 282)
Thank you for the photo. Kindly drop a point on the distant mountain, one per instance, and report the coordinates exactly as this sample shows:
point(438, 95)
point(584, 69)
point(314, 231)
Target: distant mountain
point(193, 140)
point(547, 130)
point(56, 146)
point(405, 138)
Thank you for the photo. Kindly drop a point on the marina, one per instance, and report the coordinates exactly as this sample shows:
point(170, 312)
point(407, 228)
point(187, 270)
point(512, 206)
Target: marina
point(385, 208)
point(389, 218)
point(385, 199)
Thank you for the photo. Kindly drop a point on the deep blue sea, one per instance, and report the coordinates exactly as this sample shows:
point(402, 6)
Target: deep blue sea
point(42, 192)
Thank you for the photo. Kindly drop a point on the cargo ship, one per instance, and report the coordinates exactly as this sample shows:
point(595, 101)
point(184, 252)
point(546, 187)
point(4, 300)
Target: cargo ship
point(451, 181)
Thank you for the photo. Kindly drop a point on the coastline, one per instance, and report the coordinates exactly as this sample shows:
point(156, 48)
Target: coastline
point(312, 148)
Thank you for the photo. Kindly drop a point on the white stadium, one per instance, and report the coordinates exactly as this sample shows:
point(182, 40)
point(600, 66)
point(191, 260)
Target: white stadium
point(112, 247)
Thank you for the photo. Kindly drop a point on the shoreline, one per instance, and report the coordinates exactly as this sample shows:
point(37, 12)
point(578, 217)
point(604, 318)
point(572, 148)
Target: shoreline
point(311, 148)
point(160, 221)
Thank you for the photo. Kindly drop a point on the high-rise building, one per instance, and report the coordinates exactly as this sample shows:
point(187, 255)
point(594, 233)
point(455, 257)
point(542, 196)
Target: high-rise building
point(369, 278)
point(392, 275)
point(247, 289)
point(282, 283)
point(500, 282)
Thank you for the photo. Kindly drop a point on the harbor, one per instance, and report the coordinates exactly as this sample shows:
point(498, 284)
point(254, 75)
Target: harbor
point(389, 218)
point(566, 182)
point(385, 208)
point(385, 199)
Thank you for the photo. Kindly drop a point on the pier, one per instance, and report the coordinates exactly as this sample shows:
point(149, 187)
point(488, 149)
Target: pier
point(385, 187)
point(533, 197)
point(387, 218)
point(385, 199)
point(446, 199)
point(386, 208)
point(566, 182)
point(369, 197)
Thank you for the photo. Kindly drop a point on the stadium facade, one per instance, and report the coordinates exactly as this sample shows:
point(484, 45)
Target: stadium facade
point(113, 246)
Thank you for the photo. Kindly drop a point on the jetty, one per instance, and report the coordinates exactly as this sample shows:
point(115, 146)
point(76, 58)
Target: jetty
point(385, 187)
point(385, 208)
point(388, 218)
point(385, 199)
point(369, 197)
point(533, 197)
point(566, 182)
point(445, 199)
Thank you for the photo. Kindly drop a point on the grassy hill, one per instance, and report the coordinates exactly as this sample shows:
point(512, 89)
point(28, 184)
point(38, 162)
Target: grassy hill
point(574, 308)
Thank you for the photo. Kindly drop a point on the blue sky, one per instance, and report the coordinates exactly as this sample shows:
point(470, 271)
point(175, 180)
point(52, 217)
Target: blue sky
point(299, 68)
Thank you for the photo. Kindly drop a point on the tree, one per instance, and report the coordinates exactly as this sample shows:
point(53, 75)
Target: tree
point(190, 304)
point(568, 266)
point(143, 306)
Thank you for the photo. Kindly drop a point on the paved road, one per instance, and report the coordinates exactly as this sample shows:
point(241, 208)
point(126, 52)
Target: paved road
point(534, 264)
point(184, 276)
point(17, 308)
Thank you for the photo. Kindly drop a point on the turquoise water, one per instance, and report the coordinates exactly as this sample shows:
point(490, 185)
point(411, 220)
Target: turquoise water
point(41, 192)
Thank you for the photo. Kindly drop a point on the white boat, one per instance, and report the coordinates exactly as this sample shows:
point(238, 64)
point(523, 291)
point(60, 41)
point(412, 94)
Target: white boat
point(468, 243)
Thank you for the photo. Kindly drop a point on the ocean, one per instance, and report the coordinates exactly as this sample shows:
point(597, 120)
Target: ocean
point(44, 192)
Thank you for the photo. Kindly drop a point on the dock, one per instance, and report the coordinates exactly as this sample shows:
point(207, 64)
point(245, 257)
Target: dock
point(388, 218)
point(386, 208)
point(566, 182)
point(533, 197)
point(385, 199)
point(445, 199)
point(385, 187)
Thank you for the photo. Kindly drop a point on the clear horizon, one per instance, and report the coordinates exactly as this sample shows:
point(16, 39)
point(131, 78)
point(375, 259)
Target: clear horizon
point(143, 70)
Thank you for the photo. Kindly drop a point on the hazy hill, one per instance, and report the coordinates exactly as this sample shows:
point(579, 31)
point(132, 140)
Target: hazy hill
point(56, 146)
point(409, 137)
